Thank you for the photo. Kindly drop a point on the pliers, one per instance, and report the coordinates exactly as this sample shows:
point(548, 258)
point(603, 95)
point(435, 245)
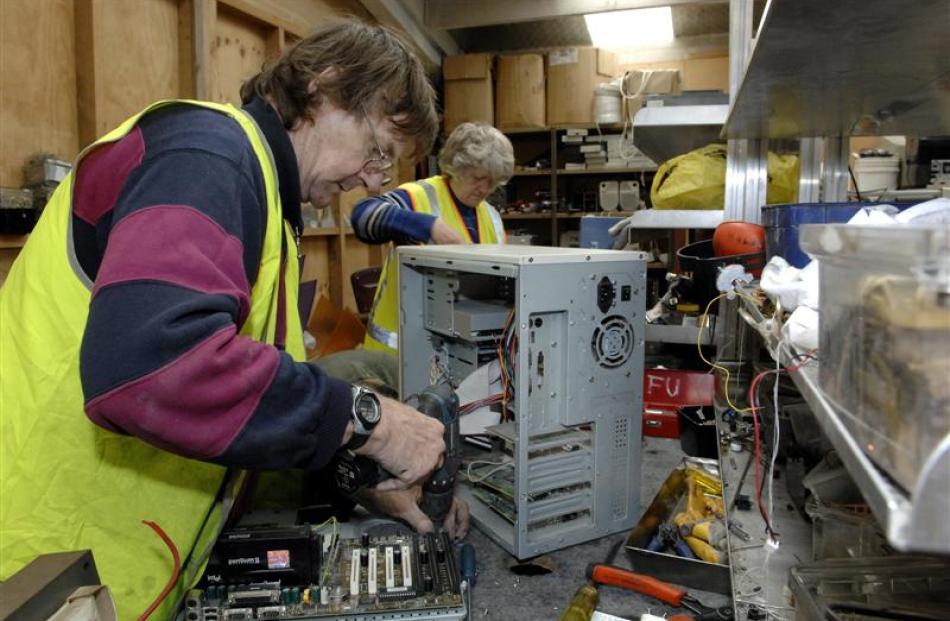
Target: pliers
point(674, 596)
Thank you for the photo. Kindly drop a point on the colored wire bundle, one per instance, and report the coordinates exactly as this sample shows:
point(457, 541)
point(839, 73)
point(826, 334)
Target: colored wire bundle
point(724, 370)
point(507, 354)
point(471, 406)
point(754, 409)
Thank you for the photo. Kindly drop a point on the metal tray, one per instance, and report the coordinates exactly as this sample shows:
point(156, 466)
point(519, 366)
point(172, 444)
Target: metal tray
point(691, 573)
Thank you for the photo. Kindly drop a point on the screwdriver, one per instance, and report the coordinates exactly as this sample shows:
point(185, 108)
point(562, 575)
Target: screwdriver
point(672, 595)
point(469, 571)
point(615, 576)
point(582, 604)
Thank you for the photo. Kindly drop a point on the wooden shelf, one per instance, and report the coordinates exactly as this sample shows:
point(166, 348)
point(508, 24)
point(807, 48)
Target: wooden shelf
point(325, 231)
point(584, 171)
point(526, 216)
point(593, 126)
point(524, 130)
point(605, 170)
point(593, 214)
point(13, 241)
point(541, 130)
point(566, 215)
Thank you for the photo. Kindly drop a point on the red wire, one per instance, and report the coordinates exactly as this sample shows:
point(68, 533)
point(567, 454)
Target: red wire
point(173, 579)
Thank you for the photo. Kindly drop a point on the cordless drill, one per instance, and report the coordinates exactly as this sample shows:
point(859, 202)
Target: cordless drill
point(353, 472)
point(441, 403)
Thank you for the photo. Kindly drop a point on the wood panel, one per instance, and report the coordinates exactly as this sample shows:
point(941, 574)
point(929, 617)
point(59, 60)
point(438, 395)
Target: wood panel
point(37, 84)
point(298, 17)
point(317, 264)
point(238, 51)
point(118, 74)
point(86, 65)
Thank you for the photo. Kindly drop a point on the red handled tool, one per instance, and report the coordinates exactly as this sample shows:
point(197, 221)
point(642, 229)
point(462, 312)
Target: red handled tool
point(674, 596)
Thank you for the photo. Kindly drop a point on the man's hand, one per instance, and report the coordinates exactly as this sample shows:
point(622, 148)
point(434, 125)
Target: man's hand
point(404, 505)
point(442, 233)
point(407, 443)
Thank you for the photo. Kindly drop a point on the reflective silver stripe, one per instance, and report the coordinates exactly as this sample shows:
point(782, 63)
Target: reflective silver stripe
point(433, 197)
point(497, 223)
point(384, 336)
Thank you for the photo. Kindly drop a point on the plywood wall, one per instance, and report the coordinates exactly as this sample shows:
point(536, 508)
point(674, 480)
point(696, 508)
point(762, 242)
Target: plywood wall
point(71, 70)
point(127, 57)
point(37, 84)
point(238, 50)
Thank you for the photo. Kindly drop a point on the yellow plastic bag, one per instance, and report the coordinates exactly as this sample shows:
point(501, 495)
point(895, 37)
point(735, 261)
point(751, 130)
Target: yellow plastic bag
point(697, 180)
point(783, 179)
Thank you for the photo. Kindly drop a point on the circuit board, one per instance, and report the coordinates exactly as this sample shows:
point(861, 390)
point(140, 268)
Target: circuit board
point(369, 578)
point(494, 485)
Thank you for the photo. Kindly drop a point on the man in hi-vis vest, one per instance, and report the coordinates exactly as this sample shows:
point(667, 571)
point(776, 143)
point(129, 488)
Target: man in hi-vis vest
point(445, 209)
point(150, 344)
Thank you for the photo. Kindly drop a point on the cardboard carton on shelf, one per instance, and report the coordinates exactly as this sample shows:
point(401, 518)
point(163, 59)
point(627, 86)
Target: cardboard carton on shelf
point(648, 82)
point(519, 92)
point(573, 74)
point(468, 90)
point(706, 74)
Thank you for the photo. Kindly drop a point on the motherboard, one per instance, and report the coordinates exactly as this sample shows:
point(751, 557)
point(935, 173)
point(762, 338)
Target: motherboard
point(315, 573)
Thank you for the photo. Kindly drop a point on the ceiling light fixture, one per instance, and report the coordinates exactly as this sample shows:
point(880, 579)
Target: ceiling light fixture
point(630, 29)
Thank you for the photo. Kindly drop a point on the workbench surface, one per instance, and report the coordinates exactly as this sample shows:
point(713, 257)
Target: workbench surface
point(503, 595)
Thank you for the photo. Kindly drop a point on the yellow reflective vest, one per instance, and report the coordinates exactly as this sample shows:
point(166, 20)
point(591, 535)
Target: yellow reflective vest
point(69, 484)
point(431, 196)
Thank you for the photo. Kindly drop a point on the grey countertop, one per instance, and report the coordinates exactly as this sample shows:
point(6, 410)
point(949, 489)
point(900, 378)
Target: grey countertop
point(502, 594)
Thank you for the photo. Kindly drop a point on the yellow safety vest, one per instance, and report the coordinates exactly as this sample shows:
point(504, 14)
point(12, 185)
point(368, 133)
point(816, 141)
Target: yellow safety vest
point(431, 196)
point(69, 484)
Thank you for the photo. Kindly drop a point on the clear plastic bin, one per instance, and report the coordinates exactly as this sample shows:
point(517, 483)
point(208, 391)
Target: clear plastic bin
point(845, 531)
point(896, 587)
point(885, 337)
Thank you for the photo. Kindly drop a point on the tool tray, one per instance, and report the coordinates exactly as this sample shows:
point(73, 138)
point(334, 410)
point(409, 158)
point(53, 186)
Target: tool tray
point(691, 573)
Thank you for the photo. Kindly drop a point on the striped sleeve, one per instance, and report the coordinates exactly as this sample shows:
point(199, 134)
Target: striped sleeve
point(162, 358)
point(390, 217)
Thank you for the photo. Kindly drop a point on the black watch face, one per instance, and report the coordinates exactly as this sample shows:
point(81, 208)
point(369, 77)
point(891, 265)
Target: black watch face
point(367, 408)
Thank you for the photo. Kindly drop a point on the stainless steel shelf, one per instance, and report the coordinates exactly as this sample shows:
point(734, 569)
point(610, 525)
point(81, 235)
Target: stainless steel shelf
point(675, 219)
point(663, 132)
point(849, 67)
point(915, 522)
point(684, 334)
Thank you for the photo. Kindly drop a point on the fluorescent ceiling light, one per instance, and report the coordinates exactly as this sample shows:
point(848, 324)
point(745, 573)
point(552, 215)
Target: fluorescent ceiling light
point(633, 28)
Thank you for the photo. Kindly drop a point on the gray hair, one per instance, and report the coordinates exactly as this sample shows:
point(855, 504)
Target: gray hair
point(478, 146)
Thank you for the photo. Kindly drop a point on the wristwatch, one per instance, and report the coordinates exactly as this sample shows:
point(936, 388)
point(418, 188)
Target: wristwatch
point(366, 414)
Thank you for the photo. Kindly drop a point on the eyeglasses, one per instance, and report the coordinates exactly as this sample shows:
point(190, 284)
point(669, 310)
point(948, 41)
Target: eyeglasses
point(380, 163)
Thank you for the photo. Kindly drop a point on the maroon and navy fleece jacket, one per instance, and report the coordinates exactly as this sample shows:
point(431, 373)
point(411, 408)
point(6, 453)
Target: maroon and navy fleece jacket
point(168, 223)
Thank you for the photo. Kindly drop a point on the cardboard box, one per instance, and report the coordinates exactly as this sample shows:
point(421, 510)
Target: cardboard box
point(573, 74)
point(648, 82)
point(519, 91)
point(468, 90)
point(706, 74)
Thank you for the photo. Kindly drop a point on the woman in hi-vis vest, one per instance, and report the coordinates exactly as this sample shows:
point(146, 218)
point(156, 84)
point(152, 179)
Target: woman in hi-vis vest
point(151, 350)
point(445, 209)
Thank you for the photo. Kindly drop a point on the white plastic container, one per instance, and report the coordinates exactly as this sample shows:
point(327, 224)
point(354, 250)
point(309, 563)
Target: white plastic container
point(607, 104)
point(877, 173)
